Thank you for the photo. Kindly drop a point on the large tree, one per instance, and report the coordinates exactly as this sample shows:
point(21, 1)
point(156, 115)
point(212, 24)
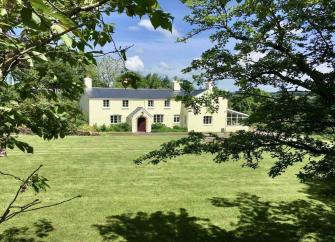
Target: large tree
point(109, 70)
point(37, 31)
point(288, 45)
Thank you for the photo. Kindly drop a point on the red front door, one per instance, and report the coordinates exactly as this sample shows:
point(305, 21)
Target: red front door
point(141, 125)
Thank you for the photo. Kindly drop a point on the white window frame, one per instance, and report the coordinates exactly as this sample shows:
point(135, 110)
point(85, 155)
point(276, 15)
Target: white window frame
point(151, 103)
point(176, 117)
point(158, 118)
point(167, 101)
point(106, 103)
point(115, 119)
point(207, 120)
point(126, 101)
point(235, 118)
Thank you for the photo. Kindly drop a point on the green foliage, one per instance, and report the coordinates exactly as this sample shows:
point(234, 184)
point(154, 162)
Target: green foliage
point(284, 44)
point(129, 79)
point(38, 183)
point(247, 102)
point(41, 43)
point(159, 127)
point(121, 127)
point(150, 81)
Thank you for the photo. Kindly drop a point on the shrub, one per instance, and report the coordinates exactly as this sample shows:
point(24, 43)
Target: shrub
point(122, 127)
point(159, 127)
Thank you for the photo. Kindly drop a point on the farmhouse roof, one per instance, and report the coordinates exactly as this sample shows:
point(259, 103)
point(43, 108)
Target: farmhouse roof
point(120, 93)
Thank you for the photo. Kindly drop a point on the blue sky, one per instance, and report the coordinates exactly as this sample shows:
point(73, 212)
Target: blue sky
point(157, 50)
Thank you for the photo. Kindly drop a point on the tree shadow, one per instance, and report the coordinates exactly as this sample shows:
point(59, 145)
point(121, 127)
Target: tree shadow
point(40, 229)
point(258, 221)
point(323, 191)
point(160, 227)
point(262, 221)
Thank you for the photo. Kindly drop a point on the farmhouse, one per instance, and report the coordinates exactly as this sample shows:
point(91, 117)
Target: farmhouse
point(143, 107)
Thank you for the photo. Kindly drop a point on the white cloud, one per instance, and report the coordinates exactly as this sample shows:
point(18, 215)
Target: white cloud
point(134, 28)
point(145, 23)
point(135, 63)
point(165, 66)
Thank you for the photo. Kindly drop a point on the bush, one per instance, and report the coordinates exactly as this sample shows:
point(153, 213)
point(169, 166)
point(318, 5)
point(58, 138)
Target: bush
point(122, 127)
point(159, 127)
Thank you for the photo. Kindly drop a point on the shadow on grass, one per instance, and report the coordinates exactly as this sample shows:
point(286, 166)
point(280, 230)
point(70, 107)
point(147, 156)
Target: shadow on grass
point(299, 220)
point(160, 227)
point(40, 230)
point(259, 221)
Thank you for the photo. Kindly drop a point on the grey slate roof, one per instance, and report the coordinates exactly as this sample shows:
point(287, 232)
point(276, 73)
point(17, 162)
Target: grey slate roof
point(120, 93)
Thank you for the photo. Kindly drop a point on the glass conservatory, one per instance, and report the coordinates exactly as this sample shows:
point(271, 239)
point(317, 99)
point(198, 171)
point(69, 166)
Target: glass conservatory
point(235, 118)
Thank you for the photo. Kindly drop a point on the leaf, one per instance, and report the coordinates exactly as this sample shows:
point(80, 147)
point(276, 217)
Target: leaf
point(36, 19)
point(40, 55)
point(67, 40)
point(28, 19)
point(47, 10)
point(3, 12)
point(29, 60)
point(65, 37)
point(161, 19)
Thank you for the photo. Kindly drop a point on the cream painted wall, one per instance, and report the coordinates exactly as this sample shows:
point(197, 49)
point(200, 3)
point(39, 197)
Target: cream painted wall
point(100, 115)
point(219, 119)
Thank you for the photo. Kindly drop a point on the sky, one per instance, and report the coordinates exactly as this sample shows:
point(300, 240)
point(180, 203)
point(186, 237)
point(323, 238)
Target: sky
point(156, 51)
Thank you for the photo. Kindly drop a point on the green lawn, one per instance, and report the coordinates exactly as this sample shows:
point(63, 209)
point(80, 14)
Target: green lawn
point(188, 199)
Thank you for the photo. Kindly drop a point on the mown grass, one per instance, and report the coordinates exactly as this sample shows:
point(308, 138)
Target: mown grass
point(238, 204)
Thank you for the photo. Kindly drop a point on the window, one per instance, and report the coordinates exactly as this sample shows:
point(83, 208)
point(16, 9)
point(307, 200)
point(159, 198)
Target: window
point(125, 103)
point(207, 119)
point(115, 119)
point(235, 118)
point(176, 118)
point(106, 103)
point(158, 118)
point(150, 103)
point(167, 103)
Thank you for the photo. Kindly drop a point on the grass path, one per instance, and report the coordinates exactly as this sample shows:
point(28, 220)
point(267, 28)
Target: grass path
point(101, 170)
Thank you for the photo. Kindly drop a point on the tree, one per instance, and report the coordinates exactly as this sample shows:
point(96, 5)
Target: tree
point(109, 70)
point(150, 81)
point(288, 45)
point(37, 31)
point(246, 103)
point(155, 81)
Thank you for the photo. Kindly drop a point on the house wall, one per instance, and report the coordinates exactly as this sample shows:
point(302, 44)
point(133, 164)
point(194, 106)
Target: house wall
point(219, 119)
point(100, 115)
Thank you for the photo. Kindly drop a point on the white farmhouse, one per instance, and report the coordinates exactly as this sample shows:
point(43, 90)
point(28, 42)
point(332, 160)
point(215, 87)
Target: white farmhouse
point(143, 107)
